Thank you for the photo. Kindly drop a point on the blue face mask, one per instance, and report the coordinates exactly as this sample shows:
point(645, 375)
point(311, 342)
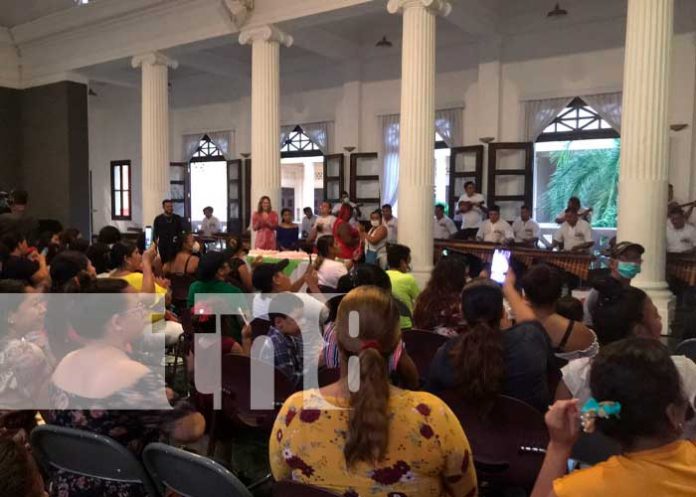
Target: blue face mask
point(628, 270)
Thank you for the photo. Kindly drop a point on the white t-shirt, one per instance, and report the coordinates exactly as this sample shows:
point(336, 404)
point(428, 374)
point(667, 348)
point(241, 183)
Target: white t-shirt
point(469, 220)
point(330, 272)
point(572, 236)
point(307, 225)
point(475, 199)
point(326, 223)
point(525, 230)
point(392, 229)
point(495, 233)
point(444, 228)
point(576, 376)
point(210, 226)
point(682, 240)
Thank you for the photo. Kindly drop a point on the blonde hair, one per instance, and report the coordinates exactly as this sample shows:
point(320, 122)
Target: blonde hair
point(379, 334)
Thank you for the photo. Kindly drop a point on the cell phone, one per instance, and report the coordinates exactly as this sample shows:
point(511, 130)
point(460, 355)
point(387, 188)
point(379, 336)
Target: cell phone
point(148, 237)
point(500, 265)
point(445, 252)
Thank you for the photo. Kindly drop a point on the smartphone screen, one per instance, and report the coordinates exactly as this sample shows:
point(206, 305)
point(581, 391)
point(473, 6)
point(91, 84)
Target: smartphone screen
point(148, 237)
point(500, 265)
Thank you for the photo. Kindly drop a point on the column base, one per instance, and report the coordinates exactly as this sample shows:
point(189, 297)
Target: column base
point(664, 300)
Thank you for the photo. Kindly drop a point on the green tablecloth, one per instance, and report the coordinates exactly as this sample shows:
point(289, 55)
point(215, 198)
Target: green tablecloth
point(289, 270)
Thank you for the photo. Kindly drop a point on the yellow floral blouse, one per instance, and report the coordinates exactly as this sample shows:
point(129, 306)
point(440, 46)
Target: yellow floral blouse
point(428, 454)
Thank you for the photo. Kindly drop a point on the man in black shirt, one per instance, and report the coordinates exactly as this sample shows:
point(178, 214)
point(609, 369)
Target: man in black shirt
point(166, 230)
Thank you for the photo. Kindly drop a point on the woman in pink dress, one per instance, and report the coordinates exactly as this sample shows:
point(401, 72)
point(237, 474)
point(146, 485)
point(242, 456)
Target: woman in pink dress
point(264, 223)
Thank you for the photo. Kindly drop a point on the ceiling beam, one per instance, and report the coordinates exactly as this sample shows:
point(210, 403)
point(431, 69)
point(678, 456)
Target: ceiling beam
point(475, 18)
point(213, 64)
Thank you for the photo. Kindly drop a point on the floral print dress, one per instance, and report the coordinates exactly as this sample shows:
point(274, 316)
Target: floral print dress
point(428, 454)
point(133, 429)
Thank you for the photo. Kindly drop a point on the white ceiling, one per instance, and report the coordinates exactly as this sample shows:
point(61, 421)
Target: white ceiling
point(15, 12)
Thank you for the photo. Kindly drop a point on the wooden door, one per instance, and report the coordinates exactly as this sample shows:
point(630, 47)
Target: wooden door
point(365, 182)
point(333, 178)
point(234, 197)
point(180, 189)
point(466, 164)
point(510, 177)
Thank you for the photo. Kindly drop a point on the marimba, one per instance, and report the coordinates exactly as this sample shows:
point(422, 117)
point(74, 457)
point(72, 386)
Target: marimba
point(575, 263)
point(682, 267)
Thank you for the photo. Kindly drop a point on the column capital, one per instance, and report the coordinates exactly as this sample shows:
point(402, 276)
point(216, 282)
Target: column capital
point(441, 7)
point(153, 59)
point(266, 33)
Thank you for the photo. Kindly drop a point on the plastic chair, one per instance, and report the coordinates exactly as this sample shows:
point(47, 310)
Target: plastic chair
point(287, 488)
point(88, 454)
point(190, 475)
point(687, 348)
point(508, 443)
point(421, 346)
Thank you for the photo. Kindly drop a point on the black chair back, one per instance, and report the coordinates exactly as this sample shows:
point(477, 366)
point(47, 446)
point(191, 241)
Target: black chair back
point(508, 443)
point(190, 475)
point(287, 488)
point(236, 391)
point(687, 348)
point(88, 454)
point(421, 346)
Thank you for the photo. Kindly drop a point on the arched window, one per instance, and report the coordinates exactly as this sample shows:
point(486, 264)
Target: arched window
point(207, 151)
point(577, 155)
point(298, 144)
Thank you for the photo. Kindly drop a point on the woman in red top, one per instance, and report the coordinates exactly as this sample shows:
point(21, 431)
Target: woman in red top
point(264, 222)
point(347, 237)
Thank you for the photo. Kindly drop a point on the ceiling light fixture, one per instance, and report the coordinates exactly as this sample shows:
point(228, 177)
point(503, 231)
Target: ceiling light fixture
point(384, 43)
point(81, 2)
point(557, 12)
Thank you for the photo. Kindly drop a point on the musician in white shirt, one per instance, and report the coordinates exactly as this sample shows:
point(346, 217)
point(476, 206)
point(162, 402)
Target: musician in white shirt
point(307, 223)
point(526, 229)
point(681, 236)
point(476, 199)
point(494, 229)
point(324, 224)
point(210, 224)
point(574, 203)
point(443, 226)
point(575, 234)
point(467, 216)
point(391, 223)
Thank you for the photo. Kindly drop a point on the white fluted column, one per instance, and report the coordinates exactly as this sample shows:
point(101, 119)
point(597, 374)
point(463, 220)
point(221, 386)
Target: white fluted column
point(155, 131)
point(644, 171)
point(265, 44)
point(417, 149)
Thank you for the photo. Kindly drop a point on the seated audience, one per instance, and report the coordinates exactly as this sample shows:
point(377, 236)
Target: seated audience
point(621, 312)
point(386, 441)
point(20, 262)
point(25, 368)
point(97, 387)
point(48, 244)
point(269, 278)
point(376, 241)
point(404, 285)
point(347, 237)
point(19, 473)
point(543, 286)
point(681, 236)
point(211, 278)
point(438, 306)
point(570, 308)
point(574, 235)
point(638, 402)
point(185, 262)
point(285, 349)
point(490, 358)
point(329, 270)
point(287, 232)
point(240, 269)
point(526, 229)
point(494, 229)
point(443, 227)
point(400, 363)
point(625, 263)
point(98, 252)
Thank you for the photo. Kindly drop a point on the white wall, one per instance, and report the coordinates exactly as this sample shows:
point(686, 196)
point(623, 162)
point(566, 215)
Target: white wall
point(354, 105)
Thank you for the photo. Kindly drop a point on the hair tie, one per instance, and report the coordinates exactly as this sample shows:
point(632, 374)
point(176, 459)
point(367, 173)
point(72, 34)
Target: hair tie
point(593, 410)
point(369, 344)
